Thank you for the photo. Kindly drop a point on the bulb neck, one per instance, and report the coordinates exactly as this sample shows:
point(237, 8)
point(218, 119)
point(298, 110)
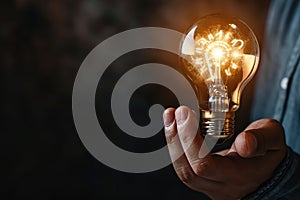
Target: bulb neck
point(217, 125)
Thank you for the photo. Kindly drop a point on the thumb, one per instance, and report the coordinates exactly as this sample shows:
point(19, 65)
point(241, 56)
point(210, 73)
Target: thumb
point(258, 138)
point(246, 145)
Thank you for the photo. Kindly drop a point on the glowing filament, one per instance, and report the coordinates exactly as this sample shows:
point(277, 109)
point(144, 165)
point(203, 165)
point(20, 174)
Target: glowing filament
point(217, 53)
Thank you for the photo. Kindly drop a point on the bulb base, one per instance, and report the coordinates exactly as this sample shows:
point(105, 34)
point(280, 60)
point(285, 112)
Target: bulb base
point(217, 125)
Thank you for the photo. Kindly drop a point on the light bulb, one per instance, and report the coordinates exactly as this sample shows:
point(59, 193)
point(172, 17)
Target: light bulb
point(220, 55)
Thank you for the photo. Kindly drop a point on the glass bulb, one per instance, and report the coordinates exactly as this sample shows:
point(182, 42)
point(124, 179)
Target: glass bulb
point(220, 55)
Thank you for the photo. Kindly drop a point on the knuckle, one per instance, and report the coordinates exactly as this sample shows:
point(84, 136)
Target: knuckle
point(202, 168)
point(185, 176)
point(276, 124)
point(170, 136)
point(250, 140)
point(273, 121)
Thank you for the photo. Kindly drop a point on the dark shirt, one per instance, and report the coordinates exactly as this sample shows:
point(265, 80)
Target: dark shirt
point(278, 94)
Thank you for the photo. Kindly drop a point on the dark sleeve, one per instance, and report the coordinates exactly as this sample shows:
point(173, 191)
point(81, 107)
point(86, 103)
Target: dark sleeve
point(285, 183)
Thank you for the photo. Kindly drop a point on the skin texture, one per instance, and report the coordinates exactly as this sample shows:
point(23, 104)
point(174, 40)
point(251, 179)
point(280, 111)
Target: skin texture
point(232, 173)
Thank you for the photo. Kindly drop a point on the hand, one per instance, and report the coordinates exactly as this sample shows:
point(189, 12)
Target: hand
point(230, 174)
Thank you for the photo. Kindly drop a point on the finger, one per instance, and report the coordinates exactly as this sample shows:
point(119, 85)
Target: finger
point(209, 169)
point(192, 143)
point(190, 139)
point(180, 163)
point(258, 138)
point(173, 142)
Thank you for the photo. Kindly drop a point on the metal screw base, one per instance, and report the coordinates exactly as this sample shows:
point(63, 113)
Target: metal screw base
point(217, 125)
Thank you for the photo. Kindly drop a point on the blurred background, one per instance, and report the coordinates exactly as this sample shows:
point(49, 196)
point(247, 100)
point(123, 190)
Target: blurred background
point(42, 46)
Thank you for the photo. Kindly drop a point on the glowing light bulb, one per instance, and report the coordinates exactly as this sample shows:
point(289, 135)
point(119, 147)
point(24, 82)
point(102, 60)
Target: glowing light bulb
point(220, 56)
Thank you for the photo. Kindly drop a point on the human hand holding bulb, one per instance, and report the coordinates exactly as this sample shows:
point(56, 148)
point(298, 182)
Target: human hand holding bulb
point(255, 153)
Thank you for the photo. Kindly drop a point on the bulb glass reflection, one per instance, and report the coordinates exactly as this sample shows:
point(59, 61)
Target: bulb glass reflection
point(220, 56)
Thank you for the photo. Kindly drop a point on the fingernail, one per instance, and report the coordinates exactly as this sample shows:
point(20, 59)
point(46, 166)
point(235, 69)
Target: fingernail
point(181, 115)
point(168, 118)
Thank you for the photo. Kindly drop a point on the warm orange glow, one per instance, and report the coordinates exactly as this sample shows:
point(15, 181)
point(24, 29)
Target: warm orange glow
point(217, 53)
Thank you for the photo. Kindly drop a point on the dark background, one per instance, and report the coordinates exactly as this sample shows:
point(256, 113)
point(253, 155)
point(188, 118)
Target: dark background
point(42, 46)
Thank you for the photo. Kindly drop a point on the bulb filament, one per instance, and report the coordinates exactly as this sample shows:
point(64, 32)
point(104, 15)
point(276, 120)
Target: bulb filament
point(217, 52)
